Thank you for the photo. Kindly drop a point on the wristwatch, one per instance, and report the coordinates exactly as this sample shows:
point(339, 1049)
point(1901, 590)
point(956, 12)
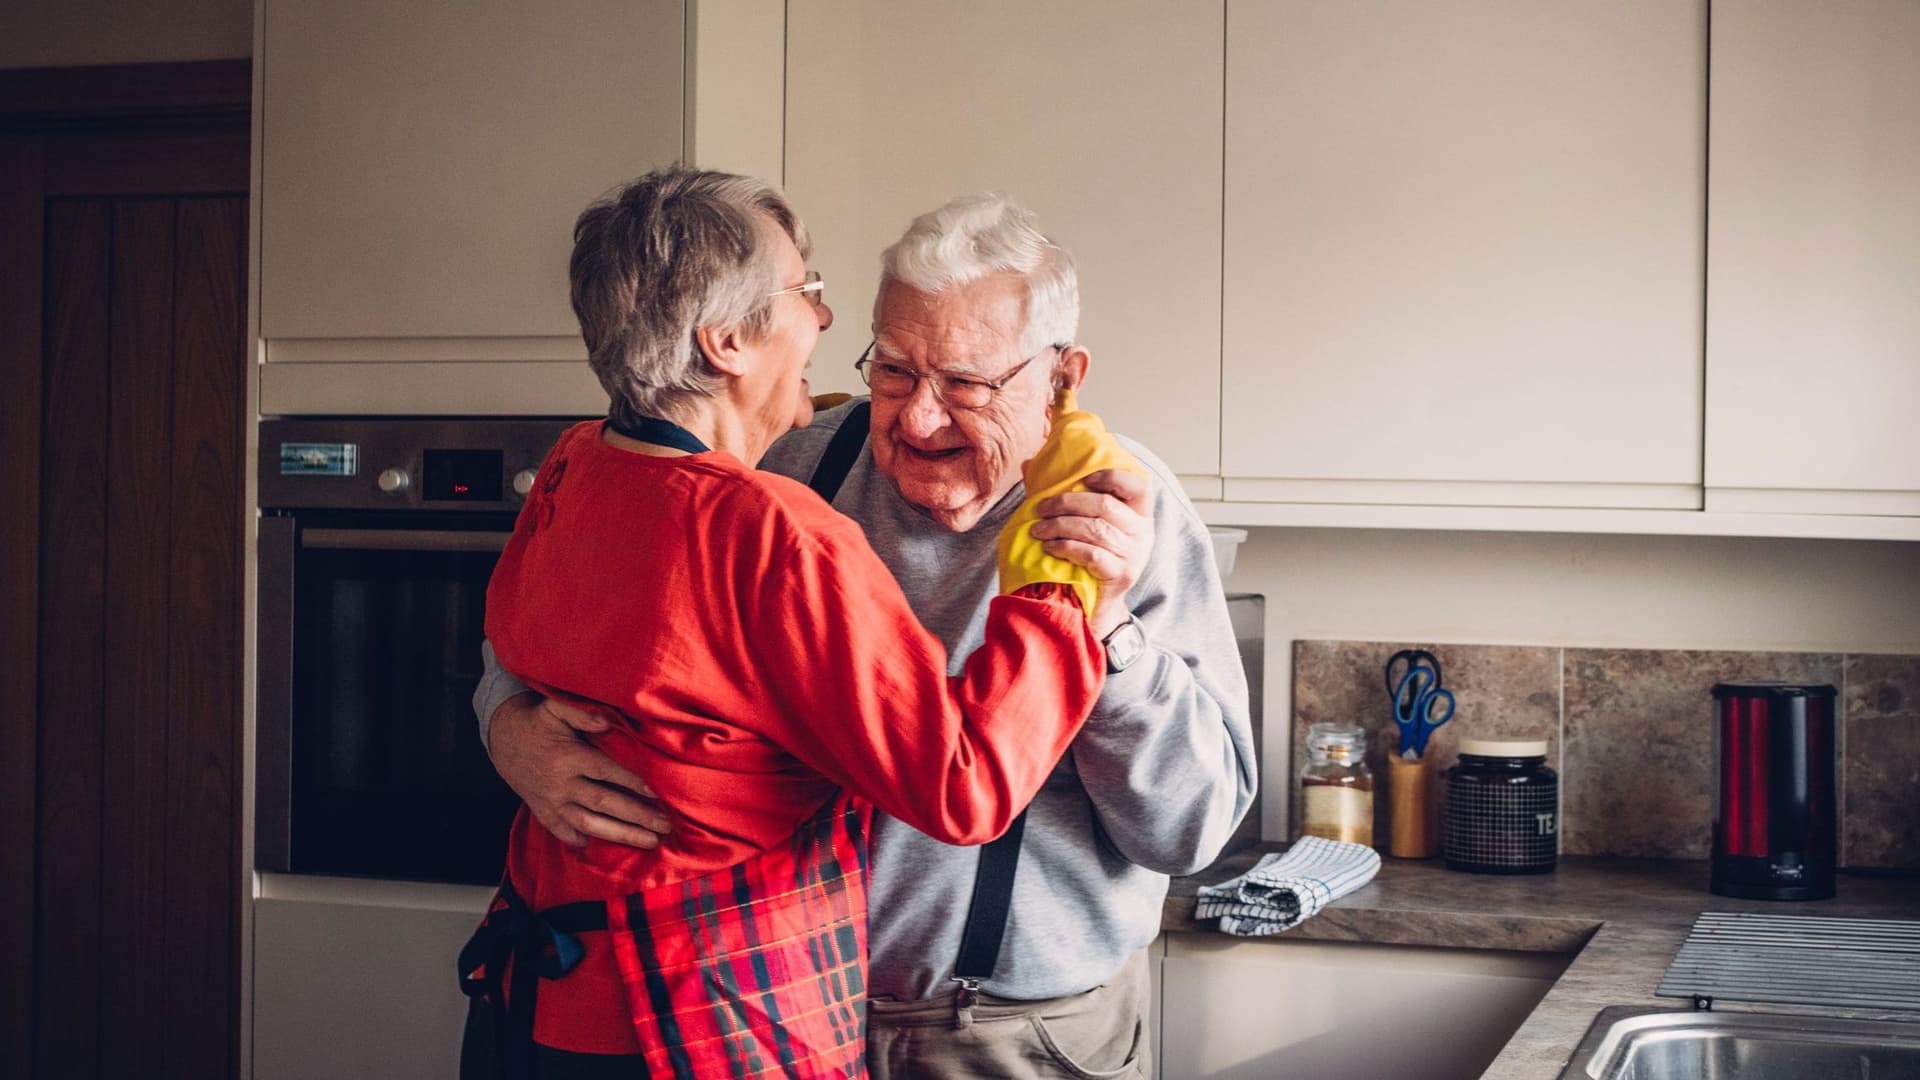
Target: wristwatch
point(1125, 644)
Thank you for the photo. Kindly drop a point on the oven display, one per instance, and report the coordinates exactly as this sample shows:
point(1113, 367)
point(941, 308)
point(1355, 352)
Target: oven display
point(319, 459)
point(462, 475)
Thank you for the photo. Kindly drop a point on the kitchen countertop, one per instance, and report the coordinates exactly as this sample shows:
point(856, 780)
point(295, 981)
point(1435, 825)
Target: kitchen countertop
point(1624, 917)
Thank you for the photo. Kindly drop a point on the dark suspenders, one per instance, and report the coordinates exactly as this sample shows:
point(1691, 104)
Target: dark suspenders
point(842, 452)
point(987, 917)
point(993, 884)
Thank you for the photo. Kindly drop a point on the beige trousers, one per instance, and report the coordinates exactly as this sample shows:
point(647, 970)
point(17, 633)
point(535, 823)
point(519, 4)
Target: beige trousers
point(1092, 1036)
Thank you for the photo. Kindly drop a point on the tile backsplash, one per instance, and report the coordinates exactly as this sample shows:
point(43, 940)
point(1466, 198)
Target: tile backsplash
point(1630, 732)
point(1639, 731)
point(1880, 749)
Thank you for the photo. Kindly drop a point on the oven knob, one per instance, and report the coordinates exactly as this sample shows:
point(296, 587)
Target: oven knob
point(523, 482)
point(393, 481)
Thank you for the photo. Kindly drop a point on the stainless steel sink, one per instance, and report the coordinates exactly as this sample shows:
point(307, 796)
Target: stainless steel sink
point(1644, 1044)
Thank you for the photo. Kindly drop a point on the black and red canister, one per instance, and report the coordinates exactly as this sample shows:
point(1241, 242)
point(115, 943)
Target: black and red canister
point(1774, 808)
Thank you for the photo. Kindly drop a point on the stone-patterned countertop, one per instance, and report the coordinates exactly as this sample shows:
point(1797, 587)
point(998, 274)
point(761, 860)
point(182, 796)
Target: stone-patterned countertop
point(1624, 917)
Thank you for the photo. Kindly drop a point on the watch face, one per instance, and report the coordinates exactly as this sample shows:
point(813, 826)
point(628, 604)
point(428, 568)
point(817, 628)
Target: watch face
point(1125, 645)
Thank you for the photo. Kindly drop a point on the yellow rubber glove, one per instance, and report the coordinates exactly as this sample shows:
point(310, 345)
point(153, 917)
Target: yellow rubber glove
point(1078, 446)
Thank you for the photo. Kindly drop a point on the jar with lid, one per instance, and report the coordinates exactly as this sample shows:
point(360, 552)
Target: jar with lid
point(1503, 808)
point(1336, 787)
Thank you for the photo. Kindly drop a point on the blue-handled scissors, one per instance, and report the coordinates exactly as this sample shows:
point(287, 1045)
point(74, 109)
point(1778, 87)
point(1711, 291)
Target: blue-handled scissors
point(1396, 674)
point(1414, 698)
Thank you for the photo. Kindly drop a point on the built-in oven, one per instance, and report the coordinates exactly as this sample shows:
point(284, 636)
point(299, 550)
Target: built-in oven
point(377, 538)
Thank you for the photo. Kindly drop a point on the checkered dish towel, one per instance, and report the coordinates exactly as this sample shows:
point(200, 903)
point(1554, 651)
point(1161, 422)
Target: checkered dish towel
point(1284, 888)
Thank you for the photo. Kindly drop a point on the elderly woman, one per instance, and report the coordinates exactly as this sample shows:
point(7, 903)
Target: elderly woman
point(777, 684)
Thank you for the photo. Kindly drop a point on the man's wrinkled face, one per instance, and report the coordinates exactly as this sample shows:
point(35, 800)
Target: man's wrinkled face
point(957, 463)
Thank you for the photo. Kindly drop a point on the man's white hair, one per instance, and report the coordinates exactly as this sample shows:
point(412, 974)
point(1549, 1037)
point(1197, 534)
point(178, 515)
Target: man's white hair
point(975, 236)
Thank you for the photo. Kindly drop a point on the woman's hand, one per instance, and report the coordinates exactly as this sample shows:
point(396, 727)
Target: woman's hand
point(538, 748)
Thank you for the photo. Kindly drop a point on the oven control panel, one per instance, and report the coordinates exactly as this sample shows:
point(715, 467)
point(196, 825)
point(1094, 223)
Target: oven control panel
point(382, 464)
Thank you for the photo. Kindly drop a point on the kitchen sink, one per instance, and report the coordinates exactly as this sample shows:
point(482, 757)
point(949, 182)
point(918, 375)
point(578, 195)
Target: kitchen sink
point(1647, 1044)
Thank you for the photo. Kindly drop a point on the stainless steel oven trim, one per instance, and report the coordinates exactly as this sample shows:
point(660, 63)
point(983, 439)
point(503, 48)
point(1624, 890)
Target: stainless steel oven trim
point(273, 697)
point(308, 519)
point(403, 539)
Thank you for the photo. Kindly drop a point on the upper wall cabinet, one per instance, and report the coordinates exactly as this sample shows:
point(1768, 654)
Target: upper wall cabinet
point(1464, 246)
point(1103, 116)
point(1813, 288)
point(422, 165)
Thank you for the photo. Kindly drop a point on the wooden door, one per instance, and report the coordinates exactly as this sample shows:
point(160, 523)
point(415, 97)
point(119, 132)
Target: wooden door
point(122, 304)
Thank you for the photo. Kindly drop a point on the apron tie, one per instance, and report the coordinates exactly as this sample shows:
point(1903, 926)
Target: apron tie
point(532, 946)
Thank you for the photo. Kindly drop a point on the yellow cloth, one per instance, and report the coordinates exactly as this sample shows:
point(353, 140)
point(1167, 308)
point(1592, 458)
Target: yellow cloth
point(1078, 445)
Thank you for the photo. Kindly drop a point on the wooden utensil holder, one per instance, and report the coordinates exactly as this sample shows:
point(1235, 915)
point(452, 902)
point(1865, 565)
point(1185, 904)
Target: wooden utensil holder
point(1413, 809)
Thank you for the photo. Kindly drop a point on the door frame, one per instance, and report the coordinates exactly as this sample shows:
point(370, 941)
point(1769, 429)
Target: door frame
point(190, 122)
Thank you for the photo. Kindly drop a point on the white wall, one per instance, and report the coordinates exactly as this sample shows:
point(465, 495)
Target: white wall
point(72, 33)
point(1546, 589)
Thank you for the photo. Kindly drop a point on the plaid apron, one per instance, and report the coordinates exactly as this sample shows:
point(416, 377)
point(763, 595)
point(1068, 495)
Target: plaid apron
point(756, 970)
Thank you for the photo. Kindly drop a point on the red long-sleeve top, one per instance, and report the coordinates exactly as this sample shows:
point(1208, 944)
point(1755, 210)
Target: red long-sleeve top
point(765, 658)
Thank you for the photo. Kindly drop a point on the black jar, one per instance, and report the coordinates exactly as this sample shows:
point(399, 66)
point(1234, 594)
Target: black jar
point(1503, 808)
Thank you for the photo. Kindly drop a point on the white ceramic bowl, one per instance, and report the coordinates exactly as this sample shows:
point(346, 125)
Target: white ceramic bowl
point(1226, 542)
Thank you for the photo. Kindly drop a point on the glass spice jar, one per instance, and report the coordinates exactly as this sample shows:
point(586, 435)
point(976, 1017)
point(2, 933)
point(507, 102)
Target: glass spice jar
point(1336, 787)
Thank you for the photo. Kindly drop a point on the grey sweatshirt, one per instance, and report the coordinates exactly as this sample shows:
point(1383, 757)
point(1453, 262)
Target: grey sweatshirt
point(1153, 785)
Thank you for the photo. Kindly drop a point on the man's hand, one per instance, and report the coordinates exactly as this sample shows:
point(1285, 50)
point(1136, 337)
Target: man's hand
point(1108, 529)
point(572, 788)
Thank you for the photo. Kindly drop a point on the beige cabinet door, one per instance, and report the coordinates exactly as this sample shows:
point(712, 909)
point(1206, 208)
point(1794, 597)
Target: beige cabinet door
point(1463, 255)
point(422, 163)
point(1813, 284)
point(357, 979)
point(1103, 116)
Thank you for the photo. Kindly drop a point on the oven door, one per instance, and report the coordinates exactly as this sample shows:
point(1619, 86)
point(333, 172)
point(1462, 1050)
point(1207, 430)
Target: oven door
point(370, 760)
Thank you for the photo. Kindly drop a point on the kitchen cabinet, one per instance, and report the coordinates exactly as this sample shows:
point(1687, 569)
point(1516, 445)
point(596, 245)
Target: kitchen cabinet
point(1813, 284)
point(356, 978)
point(1463, 253)
point(1101, 116)
point(420, 169)
point(1255, 1009)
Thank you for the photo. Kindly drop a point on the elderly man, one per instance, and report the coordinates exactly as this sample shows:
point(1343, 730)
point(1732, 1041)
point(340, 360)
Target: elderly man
point(973, 333)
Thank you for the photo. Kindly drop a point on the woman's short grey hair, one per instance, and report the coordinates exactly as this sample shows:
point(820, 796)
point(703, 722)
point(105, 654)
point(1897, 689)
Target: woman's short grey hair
point(673, 251)
point(975, 236)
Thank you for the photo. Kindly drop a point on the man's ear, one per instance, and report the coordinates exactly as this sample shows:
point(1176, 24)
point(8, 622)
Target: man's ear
point(1071, 370)
point(725, 349)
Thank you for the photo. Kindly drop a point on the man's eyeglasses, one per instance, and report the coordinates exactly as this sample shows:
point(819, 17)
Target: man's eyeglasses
point(890, 380)
point(813, 288)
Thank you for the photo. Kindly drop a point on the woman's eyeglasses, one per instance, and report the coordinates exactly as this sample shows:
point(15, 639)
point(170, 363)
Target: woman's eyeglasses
point(813, 288)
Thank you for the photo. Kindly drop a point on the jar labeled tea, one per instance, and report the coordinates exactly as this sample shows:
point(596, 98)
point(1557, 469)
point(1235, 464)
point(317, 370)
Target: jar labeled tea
point(1503, 804)
point(1336, 788)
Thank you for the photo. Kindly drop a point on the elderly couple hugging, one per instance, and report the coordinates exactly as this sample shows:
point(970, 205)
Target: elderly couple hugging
point(745, 715)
